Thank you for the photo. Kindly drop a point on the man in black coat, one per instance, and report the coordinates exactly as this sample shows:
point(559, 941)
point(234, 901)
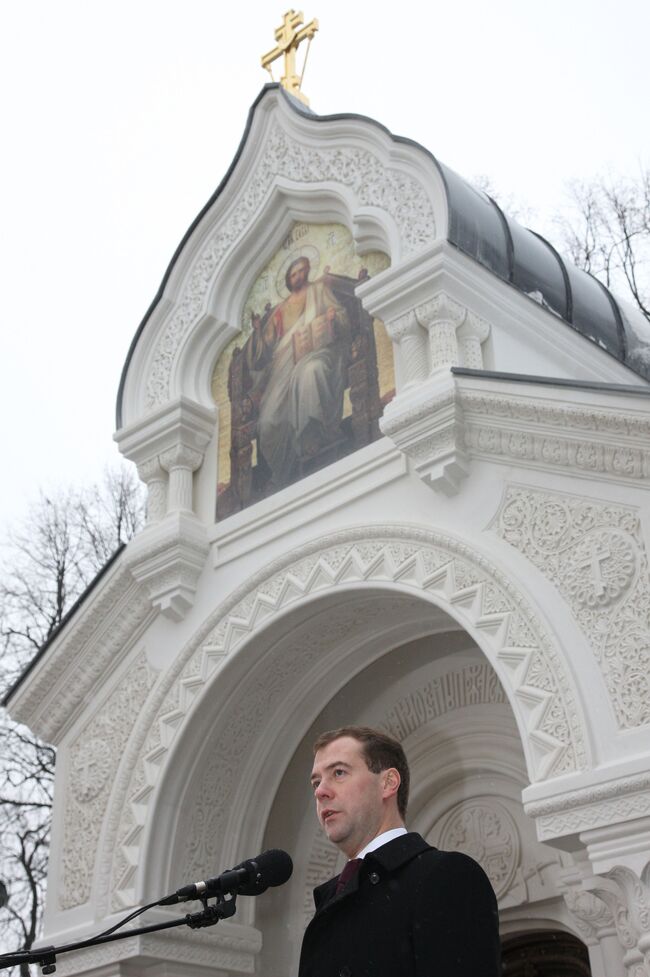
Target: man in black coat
point(400, 908)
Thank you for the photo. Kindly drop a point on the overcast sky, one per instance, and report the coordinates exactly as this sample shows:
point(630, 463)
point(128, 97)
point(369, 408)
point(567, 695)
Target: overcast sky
point(119, 120)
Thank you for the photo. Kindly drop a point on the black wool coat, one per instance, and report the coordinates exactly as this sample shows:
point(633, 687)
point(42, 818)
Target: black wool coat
point(410, 911)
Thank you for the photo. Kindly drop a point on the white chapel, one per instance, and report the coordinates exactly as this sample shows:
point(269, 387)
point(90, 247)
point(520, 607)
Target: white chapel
point(397, 453)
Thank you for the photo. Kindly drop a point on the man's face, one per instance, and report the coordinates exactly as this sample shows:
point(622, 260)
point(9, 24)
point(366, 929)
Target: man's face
point(299, 276)
point(349, 797)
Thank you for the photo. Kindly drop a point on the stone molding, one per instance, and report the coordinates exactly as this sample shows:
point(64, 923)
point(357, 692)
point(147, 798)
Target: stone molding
point(594, 555)
point(431, 433)
point(595, 441)
point(232, 948)
point(167, 558)
point(452, 573)
point(619, 800)
point(82, 655)
point(372, 177)
point(443, 423)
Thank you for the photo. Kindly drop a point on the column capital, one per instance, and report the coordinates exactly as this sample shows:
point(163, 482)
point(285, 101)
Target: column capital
point(404, 325)
point(474, 327)
point(180, 422)
point(441, 308)
point(627, 896)
point(181, 456)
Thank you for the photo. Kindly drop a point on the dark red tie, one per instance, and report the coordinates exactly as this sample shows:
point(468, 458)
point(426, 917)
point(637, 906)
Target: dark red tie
point(349, 869)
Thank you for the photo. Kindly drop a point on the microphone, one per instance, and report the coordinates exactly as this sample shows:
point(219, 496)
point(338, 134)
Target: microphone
point(250, 878)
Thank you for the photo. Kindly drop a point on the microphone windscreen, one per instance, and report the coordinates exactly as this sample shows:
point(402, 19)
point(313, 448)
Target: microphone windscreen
point(273, 867)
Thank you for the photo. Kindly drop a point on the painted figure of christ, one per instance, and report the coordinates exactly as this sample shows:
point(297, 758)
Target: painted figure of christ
point(297, 355)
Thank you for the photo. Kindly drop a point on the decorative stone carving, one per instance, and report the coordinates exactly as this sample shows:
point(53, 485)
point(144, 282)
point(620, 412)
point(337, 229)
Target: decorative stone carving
point(591, 916)
point(94, 757)
point(360, 171)
point(617, 800)
point(180, 461)
point(471, 335)
point(485, 830)
point(153, 475)
point(443, 422)
point(90, 770)
point(441, 316)
point(594, 555)
point(470, 686)
point(168, 559)
point(172, 440)
point(423, 563)
point(429, 427)
point(627, 897)
point(407, 333)
point(612, 444)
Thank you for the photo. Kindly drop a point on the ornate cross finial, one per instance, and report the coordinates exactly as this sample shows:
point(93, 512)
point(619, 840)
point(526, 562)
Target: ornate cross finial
point(289, 37)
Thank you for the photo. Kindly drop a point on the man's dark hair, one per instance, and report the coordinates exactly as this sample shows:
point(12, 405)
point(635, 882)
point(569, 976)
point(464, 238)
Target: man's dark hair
point(380, 753)
point(296, 261)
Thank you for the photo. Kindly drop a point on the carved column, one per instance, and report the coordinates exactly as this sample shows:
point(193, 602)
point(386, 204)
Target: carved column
point(441, 316)
point(627, 897)
point(181, 462)
point(471, 335)
point(169, 556)
point(155, 478)
point(593, 920)
point(410, 338)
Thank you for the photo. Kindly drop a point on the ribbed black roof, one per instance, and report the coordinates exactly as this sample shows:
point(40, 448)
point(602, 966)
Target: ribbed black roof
point(480, 229)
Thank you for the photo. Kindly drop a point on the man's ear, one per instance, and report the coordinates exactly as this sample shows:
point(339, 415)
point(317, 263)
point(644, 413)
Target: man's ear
point(391, 782)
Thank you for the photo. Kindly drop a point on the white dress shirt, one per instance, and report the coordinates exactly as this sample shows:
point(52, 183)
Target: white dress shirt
point(382, 839)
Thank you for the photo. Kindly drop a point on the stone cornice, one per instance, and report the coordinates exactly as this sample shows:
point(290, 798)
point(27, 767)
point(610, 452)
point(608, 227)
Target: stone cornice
point(447, 421)
point(619, 800)
point(179, 422)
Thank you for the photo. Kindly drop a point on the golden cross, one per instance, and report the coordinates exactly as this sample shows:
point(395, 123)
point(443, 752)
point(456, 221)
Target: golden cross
point(289, 37)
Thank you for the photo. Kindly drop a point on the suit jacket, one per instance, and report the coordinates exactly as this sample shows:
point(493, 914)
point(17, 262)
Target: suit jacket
point(410, 911)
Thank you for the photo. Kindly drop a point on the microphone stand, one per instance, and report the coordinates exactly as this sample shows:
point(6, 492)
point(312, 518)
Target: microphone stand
point(45, 956)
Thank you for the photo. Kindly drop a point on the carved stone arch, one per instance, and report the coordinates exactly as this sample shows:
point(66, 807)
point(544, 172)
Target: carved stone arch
point(241, 654)
point(386, 182)
point(371, 229)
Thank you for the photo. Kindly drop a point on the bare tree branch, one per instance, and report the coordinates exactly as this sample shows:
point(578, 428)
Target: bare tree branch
point(50, 559)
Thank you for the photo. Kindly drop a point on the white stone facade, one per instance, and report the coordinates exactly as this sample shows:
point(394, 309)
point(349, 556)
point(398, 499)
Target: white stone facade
point(476, 582)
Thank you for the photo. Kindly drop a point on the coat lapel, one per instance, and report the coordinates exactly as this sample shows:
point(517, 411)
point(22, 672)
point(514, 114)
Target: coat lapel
point(389, 858)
